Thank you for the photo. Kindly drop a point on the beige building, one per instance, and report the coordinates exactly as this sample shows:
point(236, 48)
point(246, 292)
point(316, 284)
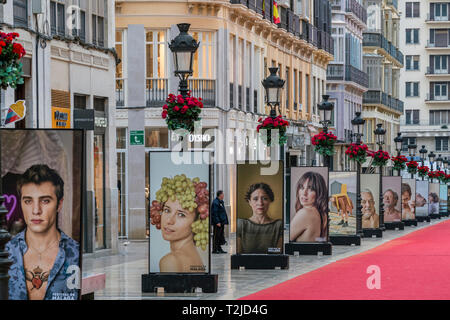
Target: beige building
point(238, 43)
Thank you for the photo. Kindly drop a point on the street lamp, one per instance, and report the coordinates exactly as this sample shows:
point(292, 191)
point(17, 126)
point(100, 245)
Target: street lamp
point(412, 150)
point(398, 142)
point(379, 133)
point(183, 48)
point(358, 125)
point(423, 154)
point(439, 161)
point(325, 109)
point(273, 85)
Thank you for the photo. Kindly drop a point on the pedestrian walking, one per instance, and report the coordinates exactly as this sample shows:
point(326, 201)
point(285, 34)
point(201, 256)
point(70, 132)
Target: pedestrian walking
point(219, 219)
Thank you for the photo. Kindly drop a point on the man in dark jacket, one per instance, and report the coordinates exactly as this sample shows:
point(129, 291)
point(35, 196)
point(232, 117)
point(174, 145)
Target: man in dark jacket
point(218, 219)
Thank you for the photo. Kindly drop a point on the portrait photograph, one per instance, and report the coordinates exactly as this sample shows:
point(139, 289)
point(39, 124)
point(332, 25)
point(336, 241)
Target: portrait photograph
point(370, 200)
point(443, 196)
point(433, 198)
point(408, 198)
point(309, 204)
point(179, 215)
point(392, 189)
point(42, 185)
point(259, 210)
point(342, 203)
point(422, 188)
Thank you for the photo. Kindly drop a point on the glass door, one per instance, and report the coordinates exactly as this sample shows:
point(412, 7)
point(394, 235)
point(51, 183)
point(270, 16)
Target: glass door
point(440, 64)
point(440, 91)
point(99, 190)
point(123, 192)
point(440, 12)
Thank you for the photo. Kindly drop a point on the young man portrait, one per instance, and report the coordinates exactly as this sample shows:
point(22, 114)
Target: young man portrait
point(45, 259)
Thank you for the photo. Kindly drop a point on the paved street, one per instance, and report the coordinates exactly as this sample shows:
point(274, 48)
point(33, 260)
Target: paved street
point(123, 271)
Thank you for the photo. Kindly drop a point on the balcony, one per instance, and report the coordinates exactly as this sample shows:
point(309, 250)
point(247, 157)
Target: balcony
point(350, 6)
point(347, 73)
point(437, 19)
point(205, 89)
point(156, 90)
point(325, 42)
point(431, 98)
point(375, 39)
point(380, 97)
point(437, 46)
point(120, 90)
point(438, 73)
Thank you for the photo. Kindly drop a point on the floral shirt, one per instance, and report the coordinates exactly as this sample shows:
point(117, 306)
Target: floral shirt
point(63, 281)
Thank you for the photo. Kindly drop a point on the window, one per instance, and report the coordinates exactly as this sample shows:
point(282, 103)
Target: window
point(300, 89)
point(412, 36)
point(440, 91)
point(299, 7)
point(79, 24)
point(156, 138)
point(20, 13)
point(79, 101)
point(412, 63)
point(295, 86)
point(440, 64)
point(308, 105)
point(441, 143)
point(57, 18)
point(412, 89)
point(439, 117)
point(99, 104)
point(440, 12)
point(412, 116)
point(121, 138)
point(406, 142)
point(98, 30)
point(156, 48)
point(412, 9)
point(287, 86)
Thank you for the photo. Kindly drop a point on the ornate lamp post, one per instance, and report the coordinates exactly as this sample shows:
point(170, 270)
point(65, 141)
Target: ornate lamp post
point(325, 109)
point(412, 153)
point(379, 133)
point(273, 85)
point(439, 161)
point(431, 156)
point(183, 48)
point(358, 124)
point(398, 147)
point(423, 154)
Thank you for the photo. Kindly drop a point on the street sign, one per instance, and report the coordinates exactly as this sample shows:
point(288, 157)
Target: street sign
point(137, 138)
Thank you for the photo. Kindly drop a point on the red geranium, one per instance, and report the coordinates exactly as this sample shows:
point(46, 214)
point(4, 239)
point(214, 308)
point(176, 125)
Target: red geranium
point(412, 166)
point(380, 158)
point(277, 123)
point(181, 113)
point(357, 152)
point(11, 52)
point(423, 171)
point(324, 143)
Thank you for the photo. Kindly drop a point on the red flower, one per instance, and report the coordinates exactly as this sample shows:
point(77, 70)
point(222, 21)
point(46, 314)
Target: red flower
point(2, 44)
point(180, 99)
point(164, 114)
point(176, 108)
point(165, 106)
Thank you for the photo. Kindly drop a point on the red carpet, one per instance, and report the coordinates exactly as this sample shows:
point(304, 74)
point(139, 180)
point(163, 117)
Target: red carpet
point(413, 267)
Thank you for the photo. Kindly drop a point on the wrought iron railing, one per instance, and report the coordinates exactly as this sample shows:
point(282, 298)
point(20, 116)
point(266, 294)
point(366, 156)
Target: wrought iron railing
point(157, 90)
point(205, 89)
point(120, 92)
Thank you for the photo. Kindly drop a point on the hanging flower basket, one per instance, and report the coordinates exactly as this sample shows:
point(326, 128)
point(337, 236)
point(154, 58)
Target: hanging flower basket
point(182, 113)
point(10, 53)
point(380, 158)
point(399, 163)
point(441, 176)
point(357, 152)
point(324, 143)
point(269, 124)
point(423, 171)
point(412, 167)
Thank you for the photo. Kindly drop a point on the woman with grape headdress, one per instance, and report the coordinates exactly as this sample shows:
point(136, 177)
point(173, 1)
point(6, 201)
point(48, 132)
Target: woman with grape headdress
point(181, 211)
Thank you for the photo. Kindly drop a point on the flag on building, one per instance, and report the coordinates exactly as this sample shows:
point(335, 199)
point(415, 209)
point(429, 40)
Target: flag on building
point(276, 15)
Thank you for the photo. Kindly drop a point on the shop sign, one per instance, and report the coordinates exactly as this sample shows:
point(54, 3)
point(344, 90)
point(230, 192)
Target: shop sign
point(60, 118)
point(193, 137)
point(83, 119)
point(137, 138)
point(101, 122)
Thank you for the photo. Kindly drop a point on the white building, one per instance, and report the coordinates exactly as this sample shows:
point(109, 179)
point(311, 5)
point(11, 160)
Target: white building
point(66, 69)
point(425, 80)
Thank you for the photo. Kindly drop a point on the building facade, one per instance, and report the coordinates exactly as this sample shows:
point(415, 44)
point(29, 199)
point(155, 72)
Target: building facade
point(238, 43)
point(382, 61)
point(346, 80)
point(70, 65)
point(425, 79)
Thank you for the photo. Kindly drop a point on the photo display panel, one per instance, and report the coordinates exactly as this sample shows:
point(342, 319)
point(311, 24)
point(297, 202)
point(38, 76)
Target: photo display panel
point(408, 198)
point(309, 203)
point(433, 198)
point(392, 190)
point(422, 190)
point(342, 203)
point(179, 213)
point(370, 201)
point(259, 209)
point(42, 183)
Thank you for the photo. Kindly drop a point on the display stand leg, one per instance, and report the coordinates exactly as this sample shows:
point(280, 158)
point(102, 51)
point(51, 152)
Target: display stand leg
point(369, 233)
point(308, 248)
point(409, 223)
point(395, 225)
point(179, 283)
point(346, 240)
point(259, 261)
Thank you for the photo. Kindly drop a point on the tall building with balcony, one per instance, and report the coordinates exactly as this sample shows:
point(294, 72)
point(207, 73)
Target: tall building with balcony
point(425, 81)
point(382, 61)
point(69, 67)
point(238, 43)
point(346, 80)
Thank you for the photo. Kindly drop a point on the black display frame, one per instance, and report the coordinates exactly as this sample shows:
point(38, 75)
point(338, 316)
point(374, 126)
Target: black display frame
point(370, 232)
point(393, 225)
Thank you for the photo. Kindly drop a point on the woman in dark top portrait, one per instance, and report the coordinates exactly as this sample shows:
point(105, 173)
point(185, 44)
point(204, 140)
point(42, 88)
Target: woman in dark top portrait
point(259, 233)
